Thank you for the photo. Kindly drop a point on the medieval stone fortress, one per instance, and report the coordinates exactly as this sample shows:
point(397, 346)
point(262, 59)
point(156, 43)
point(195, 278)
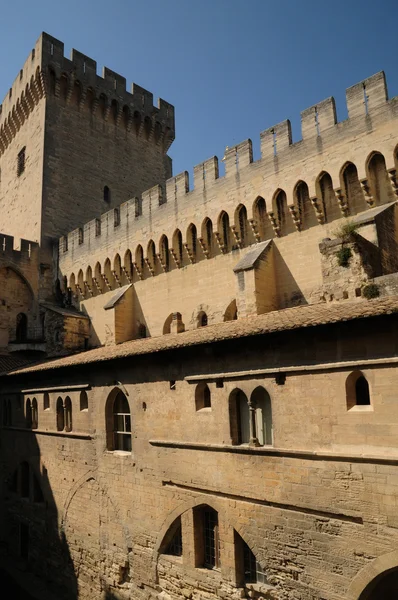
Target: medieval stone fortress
point(198, 381)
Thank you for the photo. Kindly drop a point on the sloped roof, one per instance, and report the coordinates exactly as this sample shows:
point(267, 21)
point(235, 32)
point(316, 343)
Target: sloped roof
point(66, 312)
point(115, 299)
point(282, 320)
point(11, 362)
point(248, 261)
point(370, 214)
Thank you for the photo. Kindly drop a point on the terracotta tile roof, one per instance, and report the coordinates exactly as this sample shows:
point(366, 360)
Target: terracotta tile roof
point(12, 362)
point(282, 320)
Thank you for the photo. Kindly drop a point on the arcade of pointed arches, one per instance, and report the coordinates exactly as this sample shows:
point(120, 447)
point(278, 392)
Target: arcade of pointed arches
point(269, 219)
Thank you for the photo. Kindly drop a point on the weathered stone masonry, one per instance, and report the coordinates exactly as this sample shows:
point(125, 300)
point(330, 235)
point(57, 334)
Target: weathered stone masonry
point(210, 411)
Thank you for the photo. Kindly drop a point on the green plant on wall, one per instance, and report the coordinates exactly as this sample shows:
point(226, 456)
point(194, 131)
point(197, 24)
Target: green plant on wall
point(344, 256)
point(370, 291)
point(346, 230)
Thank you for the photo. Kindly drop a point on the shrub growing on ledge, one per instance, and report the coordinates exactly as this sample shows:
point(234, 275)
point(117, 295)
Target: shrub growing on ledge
point(344, 256)
point(370, 291)
point(346, 230)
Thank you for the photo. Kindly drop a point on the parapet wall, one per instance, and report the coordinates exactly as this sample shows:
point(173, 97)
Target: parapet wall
point(10, 251)
point(326, 147)
point(46, 65)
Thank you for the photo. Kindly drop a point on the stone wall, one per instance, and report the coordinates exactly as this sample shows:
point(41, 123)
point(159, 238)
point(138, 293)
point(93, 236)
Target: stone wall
point(316, 507)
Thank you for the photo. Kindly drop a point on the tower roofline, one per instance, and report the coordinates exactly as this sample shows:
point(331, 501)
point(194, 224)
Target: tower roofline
point(48, 56)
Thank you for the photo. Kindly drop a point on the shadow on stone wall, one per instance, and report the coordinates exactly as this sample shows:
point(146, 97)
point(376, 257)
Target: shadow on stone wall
point(34, 552)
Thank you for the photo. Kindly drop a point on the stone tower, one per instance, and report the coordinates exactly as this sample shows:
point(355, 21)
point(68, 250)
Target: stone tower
point(73, 144)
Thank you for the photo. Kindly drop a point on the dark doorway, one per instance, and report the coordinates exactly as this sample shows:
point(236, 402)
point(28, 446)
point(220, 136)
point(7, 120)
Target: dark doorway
point(384, 587)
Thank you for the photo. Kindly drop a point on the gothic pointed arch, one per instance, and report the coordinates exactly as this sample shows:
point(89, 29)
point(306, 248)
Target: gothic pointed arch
point(351, 188)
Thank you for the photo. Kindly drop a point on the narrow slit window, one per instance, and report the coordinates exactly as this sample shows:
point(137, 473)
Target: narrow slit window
point(21, 161)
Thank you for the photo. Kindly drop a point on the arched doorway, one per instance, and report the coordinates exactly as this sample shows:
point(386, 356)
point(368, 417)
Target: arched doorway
point(383, 587)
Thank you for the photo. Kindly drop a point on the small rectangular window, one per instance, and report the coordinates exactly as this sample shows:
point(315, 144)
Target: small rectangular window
point(21, 161)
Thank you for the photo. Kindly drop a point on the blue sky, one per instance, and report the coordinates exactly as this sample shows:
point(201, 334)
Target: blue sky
point(231, 67)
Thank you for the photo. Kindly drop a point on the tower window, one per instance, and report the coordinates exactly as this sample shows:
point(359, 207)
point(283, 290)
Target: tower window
point(249, 569)
point(21, 327)
point(174, 547)
point(357, 391)
point(202, 396)
point(107, 194)
point(21, 161)
point(211, 539)
point(118, 422)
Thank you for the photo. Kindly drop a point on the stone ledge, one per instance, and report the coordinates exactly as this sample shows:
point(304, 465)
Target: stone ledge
point(277, 452)
point(68, 434)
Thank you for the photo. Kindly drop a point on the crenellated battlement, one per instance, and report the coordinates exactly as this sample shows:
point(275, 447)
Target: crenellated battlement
point(75, 80)
point(282, 165)
point(10, 251)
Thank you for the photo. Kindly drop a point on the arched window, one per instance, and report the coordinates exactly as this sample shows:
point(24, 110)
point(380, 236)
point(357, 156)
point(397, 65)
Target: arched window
point(126, 116)
point(231, 313)
point(241, 223)
point(202, 319)
point(263, 422)
point(90, 98)
point(178, 247)
point(207, 539)
point(280, 212)
point(202, 396)
point(139, 258)
point(63, 86)
point(164, 252)
point(52, 80)
point(60, 414)
point(21, 327)
point(306, 211)
point(172, 541)
point(46, 401)
point(117, 268)
point(107, 194)
point(207, 236)
point(223, 231)
point(249, 569)
point(151, 255)
point(362, 391)
point(76, 93)
point(239, 417)
point(261, 220)
point(35, 414)
point(83, 400)
point(147, 127)
point(167, 324)
point(99, 281)
point(378, 179)
point(80, 282)
point(137, 121)
point(108, 275)
point(114, 111)
point(352, 189)
point(192, 241)
point(68, 414)
point(327, 197)
point(28, 414)
point(383, 587)
point(128, 265)
point(118, 422)
point(357, 390)
point(102, 105)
